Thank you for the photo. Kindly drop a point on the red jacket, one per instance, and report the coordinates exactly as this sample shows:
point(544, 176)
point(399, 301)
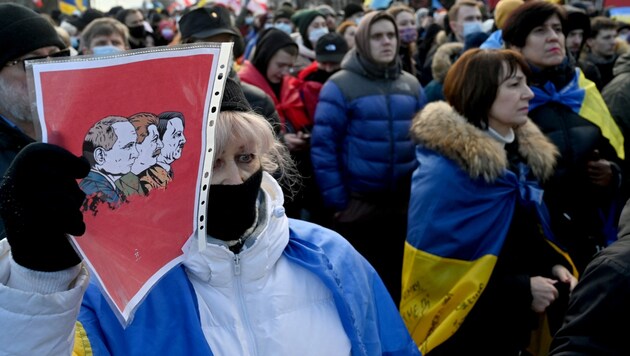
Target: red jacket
point(290, 106)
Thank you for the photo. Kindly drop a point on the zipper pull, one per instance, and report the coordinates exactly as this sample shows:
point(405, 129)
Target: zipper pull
point(237, 265)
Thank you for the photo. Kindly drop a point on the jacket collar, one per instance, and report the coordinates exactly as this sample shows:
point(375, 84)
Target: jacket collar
point(216, 264)
point(440, 128)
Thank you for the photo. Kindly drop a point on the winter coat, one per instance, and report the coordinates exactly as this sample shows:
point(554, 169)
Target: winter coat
point(617, 96)
point(295, 281)
point(476, 214)
point(599, 302)
point(360, 141)
point(583, 215)
point(289, 105)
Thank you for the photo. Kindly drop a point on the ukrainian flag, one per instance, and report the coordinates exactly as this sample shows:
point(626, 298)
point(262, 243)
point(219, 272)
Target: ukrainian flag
point(621, 14)
point(583, 98)
point(453, 243)
point(70, 7)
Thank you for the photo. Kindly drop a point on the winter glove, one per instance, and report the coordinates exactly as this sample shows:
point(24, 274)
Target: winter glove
point(40, 203)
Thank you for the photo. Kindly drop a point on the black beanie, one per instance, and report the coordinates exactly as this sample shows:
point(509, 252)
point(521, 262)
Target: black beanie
point(269, 42)
point(22, 31)
point(233, 97)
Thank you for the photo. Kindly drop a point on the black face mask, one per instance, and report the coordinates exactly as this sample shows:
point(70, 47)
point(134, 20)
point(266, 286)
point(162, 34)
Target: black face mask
point(137, 31)
point(232, 208)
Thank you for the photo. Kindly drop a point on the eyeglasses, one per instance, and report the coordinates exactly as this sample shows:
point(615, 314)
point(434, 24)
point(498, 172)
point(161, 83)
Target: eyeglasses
point(60, 54)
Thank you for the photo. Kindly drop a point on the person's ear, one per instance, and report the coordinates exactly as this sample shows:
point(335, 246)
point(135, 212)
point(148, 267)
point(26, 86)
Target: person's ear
point(99, 155)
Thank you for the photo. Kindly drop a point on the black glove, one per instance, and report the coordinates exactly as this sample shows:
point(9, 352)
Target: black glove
point(40, 203)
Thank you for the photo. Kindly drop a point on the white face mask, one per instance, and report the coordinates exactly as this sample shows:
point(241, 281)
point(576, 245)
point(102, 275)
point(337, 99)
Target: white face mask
point(284, 27)
point(105, 50)
point(472, 27)
point(317, 34)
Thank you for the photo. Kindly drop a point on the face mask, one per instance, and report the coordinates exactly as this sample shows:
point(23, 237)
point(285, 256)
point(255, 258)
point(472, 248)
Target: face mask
point(357, 20)
point(232, 208)
point(472, 27)
point(284, 27)
point(408, 34)
point(317, 34)
point(267, 25)
point(137, 31)
point(74, 42)
point(249, 20)
point(168, 33)
point(105, 50)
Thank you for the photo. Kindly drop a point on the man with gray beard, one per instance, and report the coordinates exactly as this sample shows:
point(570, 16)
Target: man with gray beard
point(24, 35)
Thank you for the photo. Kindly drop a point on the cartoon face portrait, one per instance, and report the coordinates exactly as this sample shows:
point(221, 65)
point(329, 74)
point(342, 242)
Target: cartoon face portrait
point(173, 140)
point(148, 143)
point(121, 156)
point(148, 150)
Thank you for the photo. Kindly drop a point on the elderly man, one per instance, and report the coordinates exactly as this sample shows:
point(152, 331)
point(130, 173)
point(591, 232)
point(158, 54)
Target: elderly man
point(23, 35)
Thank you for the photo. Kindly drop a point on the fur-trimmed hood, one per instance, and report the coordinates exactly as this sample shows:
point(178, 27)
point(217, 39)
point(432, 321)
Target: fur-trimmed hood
point(443, 59)
point(439, 127)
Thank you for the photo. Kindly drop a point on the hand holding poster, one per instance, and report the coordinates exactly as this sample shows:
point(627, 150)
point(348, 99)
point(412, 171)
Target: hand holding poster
point(144, 121)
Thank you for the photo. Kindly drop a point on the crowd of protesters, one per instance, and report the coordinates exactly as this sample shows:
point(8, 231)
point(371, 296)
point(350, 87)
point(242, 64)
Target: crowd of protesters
point(473, 156)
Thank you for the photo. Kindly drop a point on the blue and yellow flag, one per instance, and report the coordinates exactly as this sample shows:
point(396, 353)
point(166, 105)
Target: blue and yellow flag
point(453, 243)
point(583, 98)
point(70, 7)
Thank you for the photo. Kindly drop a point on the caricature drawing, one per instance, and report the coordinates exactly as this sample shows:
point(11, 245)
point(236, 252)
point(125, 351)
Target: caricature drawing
point(171, 133)
point(110, 148)
point(149, 147)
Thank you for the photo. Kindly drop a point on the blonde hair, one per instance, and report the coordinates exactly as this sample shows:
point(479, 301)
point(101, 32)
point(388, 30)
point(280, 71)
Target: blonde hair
point(254, 129)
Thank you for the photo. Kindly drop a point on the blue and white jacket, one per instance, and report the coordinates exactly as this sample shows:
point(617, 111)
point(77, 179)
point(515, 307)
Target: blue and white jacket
point(296, 289)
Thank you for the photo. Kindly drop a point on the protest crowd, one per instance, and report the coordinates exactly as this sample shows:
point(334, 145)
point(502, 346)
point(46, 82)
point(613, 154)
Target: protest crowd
point(390, 178)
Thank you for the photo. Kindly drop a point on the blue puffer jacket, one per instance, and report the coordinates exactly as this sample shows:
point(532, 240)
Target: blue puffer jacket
point(360, 142)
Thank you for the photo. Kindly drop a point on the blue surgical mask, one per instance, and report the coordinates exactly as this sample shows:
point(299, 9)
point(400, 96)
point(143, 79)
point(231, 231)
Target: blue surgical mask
point(317, 34)
point(105, 50)
point(284, 27)
point(267, 25)
point(357, 20)
point(249, 20)
point(472, 27)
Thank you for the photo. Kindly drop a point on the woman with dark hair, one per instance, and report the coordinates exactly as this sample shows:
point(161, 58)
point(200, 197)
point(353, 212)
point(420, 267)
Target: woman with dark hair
point(480, 263)
point(582, 195)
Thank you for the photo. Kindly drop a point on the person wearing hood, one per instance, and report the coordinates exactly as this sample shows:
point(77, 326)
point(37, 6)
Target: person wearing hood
point(360, 148)
point(263, 285)
point(311, 25)
point(475, 215)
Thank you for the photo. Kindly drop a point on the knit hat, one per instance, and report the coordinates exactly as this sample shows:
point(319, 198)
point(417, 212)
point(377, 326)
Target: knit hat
point(22, 31)
point(233, 97)
point(204, 22)
point(503, 10)
point(352, 9)
point(284, 12)
point(302, 19)
point(331, 47)
point(269, 42)
point(577, 19)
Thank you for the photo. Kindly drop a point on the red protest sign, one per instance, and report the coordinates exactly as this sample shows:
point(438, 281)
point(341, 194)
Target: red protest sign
point(142, 121)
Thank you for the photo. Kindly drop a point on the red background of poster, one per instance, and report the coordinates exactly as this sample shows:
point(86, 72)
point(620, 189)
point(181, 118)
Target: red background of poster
point(148, 231)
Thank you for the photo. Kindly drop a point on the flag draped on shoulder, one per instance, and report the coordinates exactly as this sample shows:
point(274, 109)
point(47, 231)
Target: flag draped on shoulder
point(582, 96)
point(463, 198)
